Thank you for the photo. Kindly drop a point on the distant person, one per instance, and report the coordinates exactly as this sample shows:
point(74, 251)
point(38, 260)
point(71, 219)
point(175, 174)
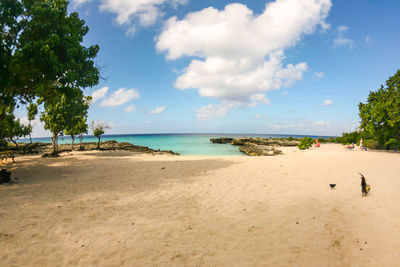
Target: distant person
point(316, 143)
point(361, 144)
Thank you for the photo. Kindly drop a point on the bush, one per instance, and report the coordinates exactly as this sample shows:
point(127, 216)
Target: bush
point(305, 143)
point(371, 144)
point(392, 143)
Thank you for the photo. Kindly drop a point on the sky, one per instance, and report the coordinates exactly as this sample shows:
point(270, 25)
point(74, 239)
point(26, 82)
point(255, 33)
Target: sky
point(263, 67)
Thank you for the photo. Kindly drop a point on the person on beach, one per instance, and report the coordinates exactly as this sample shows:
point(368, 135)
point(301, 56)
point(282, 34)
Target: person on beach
point(316, 143)
point(361, 144)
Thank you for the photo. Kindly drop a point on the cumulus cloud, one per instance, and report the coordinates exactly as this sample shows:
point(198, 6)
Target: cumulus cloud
point(319, 75)
point(340, 40)
point(327, 103)
point(78, 3)
point(131, 13)
point(213, 111)
point(237, 54)
point(99, 94)
point(119, 97)
point(157, 110)
point(130, 108)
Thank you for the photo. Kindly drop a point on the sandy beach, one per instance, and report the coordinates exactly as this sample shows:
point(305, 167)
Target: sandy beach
point(127, 209)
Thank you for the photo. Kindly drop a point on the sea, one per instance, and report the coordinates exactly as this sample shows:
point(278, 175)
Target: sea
point(184, 144)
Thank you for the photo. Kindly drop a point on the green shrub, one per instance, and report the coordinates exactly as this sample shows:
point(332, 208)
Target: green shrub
point(392, 143)
point(305, 143)
point(371, 144)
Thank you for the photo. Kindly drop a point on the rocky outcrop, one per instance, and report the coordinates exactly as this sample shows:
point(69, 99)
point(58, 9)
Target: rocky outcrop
point(264, 141)
point(222, 140)
point(45, 148)
point(257, 146)
point(255, 140)
point(259, 150)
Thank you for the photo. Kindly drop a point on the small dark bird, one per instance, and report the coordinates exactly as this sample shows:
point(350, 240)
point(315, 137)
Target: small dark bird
point(332, 185)
point(365, 188)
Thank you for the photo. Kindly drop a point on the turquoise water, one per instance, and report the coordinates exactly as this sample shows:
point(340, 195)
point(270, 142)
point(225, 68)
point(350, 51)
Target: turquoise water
point(184, 144)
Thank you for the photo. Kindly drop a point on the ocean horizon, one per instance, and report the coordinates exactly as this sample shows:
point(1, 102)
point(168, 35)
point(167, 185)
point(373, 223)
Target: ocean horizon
point(182, 143)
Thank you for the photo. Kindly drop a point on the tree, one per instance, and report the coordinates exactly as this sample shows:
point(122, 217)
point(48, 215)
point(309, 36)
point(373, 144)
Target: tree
point(98, 130)
point(78, 127)
point(380, 116)
point(41, 54)
point(78, 119)
point(65, 114)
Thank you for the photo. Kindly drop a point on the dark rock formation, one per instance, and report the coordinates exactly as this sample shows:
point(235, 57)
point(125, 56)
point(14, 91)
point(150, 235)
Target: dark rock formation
point(45, 148)
point(222, 140)
point(259, 150)
point(257, 146)
point(264, 141)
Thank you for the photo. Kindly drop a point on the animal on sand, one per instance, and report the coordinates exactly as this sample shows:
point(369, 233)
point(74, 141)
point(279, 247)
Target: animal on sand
point(364, 186)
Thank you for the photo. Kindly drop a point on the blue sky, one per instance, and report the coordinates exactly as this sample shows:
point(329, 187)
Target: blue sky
point(279, 67)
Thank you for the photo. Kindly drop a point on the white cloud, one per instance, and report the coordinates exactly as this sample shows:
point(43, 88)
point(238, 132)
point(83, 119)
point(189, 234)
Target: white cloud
point(119, 97)
point(130, 13)
point(257, 99)
point(327, 103)
point(284, 93)
point(321, 123)
point(319, 75)
point(340, 40)
point(239, 54)
point(157, 110)
point(78, 3)
point(99, 94)
point(130, 108)
point(213, 111)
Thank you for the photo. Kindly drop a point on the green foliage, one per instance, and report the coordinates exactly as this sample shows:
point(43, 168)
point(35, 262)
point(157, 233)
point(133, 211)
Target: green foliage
point(305, 143)
point(380, 116)
point(371, 144)
point(78, 118)
point(392, 143)
point(32, 111)
point(98, 130)
point(42, 56)
point(65, 113)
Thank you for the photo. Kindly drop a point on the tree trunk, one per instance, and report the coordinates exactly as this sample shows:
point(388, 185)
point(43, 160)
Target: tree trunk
point(54, 141)
point(16, 144)
point(30, 133)
point(98, 143)
point(80, 142)
point(73, 139)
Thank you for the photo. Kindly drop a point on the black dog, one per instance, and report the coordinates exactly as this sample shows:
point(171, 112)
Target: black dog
point(364, 186)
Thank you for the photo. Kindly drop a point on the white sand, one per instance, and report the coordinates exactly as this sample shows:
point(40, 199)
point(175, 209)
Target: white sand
point(119, 208)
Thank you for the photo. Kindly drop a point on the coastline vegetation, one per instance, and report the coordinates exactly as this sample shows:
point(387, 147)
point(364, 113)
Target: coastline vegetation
point(380, 118)
point(43, 63)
